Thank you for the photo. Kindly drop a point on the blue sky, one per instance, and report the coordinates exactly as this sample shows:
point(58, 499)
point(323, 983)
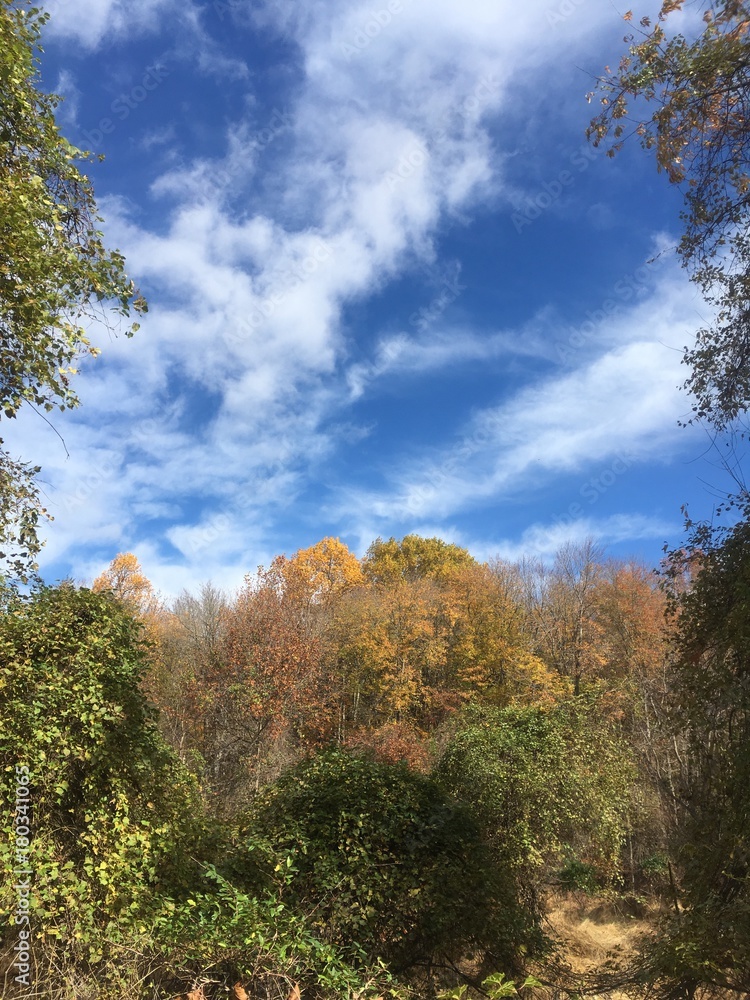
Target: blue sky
point(391, 289)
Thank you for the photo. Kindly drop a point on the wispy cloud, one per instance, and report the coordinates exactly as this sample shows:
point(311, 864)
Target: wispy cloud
point(67, 88)
point(542, 541)
point(92, 22)
point(196, 439)
point(625, 399)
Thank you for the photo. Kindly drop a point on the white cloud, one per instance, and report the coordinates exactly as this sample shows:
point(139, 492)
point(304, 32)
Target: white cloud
point(622, 401)
point(90, 22)
point(544, 540)
point(448, 346)
point(67, 88)
point(250, 281)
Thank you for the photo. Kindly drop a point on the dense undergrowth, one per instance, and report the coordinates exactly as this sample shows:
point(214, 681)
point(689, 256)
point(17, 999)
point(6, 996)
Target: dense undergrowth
point(393, 861)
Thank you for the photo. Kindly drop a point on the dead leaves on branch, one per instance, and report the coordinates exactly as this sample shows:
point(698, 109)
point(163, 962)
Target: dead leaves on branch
point(195, 994)
point(687, 97)
point(237, 992)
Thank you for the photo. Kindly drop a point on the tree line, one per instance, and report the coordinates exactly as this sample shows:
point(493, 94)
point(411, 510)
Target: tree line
point(382, 651)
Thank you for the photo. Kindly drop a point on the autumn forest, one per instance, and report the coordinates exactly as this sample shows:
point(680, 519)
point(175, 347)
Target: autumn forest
point(403, 758)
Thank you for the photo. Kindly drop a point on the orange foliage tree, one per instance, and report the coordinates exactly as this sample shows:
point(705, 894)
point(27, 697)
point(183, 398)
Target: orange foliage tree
point(272, 685)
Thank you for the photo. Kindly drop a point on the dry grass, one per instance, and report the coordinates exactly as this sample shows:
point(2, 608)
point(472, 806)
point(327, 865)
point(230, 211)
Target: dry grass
point(592, 932)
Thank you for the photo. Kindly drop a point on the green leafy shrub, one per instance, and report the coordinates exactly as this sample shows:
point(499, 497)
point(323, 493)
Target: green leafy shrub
point(258, 940)
point(109, 802)
point(654, 872)
point(576, 876)
point(543, 785)
point(382, 861)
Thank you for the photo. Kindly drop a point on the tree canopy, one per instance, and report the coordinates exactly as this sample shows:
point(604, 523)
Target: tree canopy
point(688, 99)
point(56, 274)
point(413, 557)
point(708, 942)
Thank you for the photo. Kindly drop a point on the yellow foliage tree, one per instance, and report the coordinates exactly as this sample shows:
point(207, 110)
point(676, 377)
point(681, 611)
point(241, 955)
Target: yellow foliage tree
point(125, 578)
point(490, 656)
point(414, 558)
point(389, 645)
point(329, 567)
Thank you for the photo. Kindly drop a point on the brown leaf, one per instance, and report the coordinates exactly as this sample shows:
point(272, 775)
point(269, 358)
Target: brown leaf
point(239, 992)
point(195, 994)
point(295, 994)
point(668, 6)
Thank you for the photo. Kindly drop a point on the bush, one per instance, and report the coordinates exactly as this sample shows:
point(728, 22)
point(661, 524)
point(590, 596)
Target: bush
point(382, 860)
point(575, 876)
point(543, 785)
point(108, 799)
